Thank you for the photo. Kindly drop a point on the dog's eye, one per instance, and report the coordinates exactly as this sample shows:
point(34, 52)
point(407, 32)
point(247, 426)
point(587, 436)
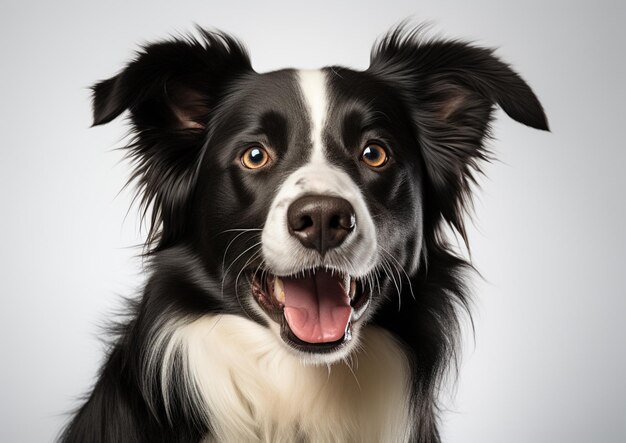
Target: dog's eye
point(255, 157)
point(374, 156)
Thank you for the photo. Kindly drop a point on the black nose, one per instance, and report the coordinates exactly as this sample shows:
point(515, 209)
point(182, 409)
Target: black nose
point(321, 222)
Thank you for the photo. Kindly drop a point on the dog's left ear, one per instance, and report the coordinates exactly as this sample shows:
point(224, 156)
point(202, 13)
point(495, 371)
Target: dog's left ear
point(171, 84)
point(170, 89)
point(450, 89)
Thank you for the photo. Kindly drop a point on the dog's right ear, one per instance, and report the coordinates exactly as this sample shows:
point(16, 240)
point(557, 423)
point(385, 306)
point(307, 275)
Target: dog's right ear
point(172, 84)
point(450, 89)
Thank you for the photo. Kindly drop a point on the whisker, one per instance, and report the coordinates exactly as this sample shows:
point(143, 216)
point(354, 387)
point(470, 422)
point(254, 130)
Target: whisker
point(242, 229)
point(262, 262)
point(402, 269)
point(348, 361)
point(240, 255)
point(233, 262)
point(376, 275)
point(230, 244)
point(390, 274)
point(256, 254)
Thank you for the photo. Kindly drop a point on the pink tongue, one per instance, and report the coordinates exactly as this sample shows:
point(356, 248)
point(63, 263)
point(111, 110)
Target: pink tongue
point(317, 307)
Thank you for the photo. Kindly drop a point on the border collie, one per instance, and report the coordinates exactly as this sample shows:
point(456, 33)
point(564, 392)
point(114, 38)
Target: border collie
point(302, 286)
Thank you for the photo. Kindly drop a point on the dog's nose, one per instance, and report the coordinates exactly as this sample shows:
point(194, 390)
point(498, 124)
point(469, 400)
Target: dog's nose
point(321, 222)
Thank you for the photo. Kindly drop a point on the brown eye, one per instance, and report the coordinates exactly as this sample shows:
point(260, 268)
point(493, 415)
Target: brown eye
point(255, 157)
point(374, 156)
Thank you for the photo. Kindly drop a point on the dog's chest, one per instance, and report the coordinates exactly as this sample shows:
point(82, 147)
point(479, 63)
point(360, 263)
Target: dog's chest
point(254, 390)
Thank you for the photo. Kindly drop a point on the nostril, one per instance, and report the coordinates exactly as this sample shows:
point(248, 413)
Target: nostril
point(347, 221)
point(342, 221)
point(302, 223)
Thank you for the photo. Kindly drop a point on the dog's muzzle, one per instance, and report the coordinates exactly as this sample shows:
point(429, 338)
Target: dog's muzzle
point(319, 249)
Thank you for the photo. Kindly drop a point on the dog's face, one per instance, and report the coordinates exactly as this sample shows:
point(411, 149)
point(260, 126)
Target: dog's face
point(309, 194)
point(312, 178)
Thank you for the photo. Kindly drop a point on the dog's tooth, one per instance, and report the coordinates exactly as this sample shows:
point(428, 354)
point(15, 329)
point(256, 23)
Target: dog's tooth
point(345, 283)
point(279, 290)
point(352, 288)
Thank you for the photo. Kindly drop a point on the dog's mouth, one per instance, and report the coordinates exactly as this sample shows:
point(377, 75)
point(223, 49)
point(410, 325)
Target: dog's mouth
point(316, 308)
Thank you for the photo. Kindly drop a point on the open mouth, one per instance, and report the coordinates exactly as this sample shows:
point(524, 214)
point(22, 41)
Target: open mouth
point(315, 308)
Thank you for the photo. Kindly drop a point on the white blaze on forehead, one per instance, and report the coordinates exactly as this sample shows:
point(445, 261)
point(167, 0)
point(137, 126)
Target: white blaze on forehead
point(313, 86)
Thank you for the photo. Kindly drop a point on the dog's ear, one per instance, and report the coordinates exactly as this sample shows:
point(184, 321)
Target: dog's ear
point(450, 89)
point(172, 84)
point(170, 90)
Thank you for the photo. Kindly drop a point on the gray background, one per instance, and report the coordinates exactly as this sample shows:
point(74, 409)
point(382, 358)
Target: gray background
point(548, 362)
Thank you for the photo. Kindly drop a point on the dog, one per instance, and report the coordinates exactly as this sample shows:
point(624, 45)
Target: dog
point(303, 285)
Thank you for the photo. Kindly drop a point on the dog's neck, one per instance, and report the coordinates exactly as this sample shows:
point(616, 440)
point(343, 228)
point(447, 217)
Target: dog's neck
point(256, 390)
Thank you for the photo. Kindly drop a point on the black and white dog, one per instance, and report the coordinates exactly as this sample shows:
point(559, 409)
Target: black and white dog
point(301, 284)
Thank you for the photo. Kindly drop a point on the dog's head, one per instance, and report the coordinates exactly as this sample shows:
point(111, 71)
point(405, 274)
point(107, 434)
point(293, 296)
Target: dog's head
point(309, 195)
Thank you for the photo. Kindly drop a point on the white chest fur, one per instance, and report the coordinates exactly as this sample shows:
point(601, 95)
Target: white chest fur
point(255, 390)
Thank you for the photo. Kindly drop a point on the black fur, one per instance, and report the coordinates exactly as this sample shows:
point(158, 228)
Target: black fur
point(196, 104)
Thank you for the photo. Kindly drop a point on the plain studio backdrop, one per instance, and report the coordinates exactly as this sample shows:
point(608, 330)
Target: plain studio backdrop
point(548, 362)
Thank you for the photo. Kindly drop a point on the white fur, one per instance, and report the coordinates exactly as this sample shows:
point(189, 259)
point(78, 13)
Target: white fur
point(256, 391)
point(167, 341)
point(313, 87)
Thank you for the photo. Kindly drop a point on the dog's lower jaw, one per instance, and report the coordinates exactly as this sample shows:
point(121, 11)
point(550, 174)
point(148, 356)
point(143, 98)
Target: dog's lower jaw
point(255, 390)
